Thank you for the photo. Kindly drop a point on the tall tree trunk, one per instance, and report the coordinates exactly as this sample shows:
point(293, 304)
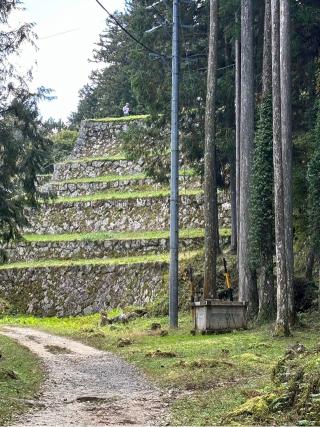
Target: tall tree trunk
point(247, 288)
point(286, 136)
point(233, 191)
point(237, 105)
point(266, 289)
point(310, 264)
point(210, 184)
point(282, 322)
point(267, 56)
point(265, 269)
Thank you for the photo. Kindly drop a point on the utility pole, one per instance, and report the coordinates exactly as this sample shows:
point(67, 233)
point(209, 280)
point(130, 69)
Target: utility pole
point(174, 183)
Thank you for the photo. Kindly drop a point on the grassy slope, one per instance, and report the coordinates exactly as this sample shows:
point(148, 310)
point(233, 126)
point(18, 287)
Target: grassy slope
point(121, 119)
point(113, 178)
point(29, 375)
point(119, 156)
point(241, 362)
point(96, 261)
point(125, 235)
point(103, 178)
point(123, 195)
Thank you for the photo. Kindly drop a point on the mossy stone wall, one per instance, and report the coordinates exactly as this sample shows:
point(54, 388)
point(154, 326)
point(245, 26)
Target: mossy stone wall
point(70, 291)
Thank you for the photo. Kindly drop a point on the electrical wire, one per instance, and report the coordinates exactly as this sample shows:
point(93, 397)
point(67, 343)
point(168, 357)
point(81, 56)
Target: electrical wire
point(60, 34)
point(132, 36)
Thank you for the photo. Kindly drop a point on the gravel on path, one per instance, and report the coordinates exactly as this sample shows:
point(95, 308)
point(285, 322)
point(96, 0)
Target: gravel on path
point(87, 387)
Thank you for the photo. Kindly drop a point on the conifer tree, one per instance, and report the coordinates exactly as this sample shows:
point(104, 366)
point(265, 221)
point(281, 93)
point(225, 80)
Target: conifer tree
point(23, 147)
point(314, 190)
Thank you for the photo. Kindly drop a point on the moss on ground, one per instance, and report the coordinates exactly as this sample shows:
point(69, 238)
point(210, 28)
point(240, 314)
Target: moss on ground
point(221, 381)
point(20, 379)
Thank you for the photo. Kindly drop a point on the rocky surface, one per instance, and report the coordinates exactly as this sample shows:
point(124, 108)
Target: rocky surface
point(150, 213)
point(93, 168)
point(85, 289)
point(83, 188)
point(86, 249)
point(67, 189)
point(99, 138)
point(87, 387)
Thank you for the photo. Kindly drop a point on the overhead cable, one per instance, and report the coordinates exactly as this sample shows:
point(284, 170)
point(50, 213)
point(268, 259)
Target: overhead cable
point(132, 36)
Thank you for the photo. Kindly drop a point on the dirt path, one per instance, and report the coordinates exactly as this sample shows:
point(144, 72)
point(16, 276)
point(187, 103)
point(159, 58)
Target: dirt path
point(87, 387)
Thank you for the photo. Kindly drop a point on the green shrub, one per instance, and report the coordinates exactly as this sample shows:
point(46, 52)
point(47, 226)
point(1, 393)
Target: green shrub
point(63, 143)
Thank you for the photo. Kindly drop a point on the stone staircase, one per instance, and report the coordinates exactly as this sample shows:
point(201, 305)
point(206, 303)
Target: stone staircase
point(104, 240)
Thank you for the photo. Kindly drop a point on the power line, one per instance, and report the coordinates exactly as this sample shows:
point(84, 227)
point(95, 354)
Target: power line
point(132, 36)
point(60, 34)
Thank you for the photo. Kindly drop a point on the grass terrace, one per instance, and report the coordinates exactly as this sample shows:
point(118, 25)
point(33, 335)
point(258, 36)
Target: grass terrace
point(123, 119)
point(114, 178)
point(104, 178)
point(123, 195)
point(119, 156)
point(136, 235)
point(97, 261)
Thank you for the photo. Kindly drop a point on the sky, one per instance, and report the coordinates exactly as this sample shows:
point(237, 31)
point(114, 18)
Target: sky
point(61, 60)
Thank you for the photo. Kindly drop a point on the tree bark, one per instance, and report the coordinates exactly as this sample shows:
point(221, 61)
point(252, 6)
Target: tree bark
point(233, 192)
point(310, 264)
point(267, 57)
point(265, 279)
point(246, 285)
point(237, 103)
point(286, 136)
point(282, 322)
point(210, 184)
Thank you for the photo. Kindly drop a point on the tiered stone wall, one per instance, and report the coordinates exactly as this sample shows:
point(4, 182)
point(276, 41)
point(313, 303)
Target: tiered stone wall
point(99, 138)
point(93, 168)
point(115, 215)
point(66, 291)
point(82, 188)
point(91, 287)
point(85, 188)
point(25, 251)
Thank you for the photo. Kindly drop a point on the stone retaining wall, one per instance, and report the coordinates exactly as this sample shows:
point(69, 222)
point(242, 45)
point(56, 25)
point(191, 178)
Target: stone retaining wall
point(70, 291)
point(147, 214)
point(84, 188)
point(93, 168)
point(43, 179)
point(27, 251)
point(99, 138)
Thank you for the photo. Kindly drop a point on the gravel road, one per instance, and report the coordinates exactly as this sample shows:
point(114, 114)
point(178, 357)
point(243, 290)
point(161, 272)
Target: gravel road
point(87, 387)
